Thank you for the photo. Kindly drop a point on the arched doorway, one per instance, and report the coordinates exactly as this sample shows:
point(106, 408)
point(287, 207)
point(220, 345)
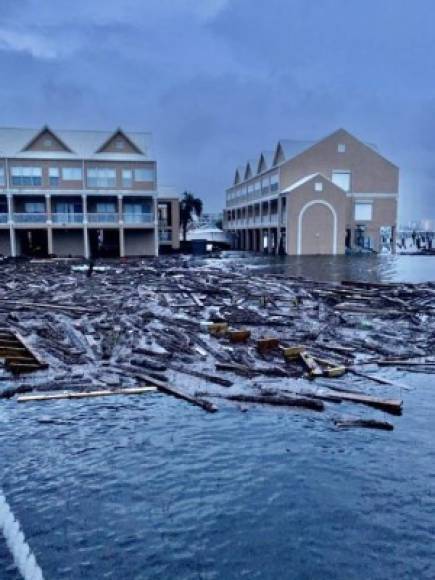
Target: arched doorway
point(317, 229)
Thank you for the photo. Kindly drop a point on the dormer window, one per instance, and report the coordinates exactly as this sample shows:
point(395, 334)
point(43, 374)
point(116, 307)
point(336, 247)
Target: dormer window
point(341, 148)
point(318, 186)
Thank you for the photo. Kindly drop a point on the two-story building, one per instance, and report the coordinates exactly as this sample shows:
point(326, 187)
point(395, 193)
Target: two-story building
point(314, 198)
point(81, 193)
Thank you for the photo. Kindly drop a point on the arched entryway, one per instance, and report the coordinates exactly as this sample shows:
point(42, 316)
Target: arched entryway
point(317, 229)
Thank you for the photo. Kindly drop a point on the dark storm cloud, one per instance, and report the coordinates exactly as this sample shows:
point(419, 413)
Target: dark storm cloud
point(217, 81)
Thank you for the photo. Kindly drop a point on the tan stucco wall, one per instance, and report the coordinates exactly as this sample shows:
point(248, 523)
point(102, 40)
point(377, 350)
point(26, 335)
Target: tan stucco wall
point(139, 242)
point(371, 173)
point(68, 243)
point(316, 234)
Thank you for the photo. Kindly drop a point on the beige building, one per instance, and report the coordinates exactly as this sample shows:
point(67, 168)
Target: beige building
point(82, 193)
point(314, 198)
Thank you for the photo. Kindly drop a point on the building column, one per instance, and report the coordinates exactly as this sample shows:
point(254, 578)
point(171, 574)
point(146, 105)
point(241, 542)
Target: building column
point(120, 210)
point(49, 222)
point(85, 226)
point(269, 240)
point(121, 242)
point(12, 239)
point(156, 226)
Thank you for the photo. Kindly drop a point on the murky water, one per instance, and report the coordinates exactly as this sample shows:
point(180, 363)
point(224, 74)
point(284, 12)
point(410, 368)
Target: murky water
point(150, 487)
point(336, 268)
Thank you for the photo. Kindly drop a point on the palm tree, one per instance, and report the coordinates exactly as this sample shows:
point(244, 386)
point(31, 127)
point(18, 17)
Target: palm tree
point(189, 206)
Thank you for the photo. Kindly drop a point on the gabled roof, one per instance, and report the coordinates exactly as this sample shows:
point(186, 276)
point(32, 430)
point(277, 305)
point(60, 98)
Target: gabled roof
point(289, 148)
point(265, 161)
point(119, 133)
point(80, 144)
point(251, 168)
point(46, 130)
point(239, 175)
point(307, 179)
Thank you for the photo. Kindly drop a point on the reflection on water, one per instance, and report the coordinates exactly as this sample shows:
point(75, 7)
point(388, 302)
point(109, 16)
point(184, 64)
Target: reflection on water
point(337, 268)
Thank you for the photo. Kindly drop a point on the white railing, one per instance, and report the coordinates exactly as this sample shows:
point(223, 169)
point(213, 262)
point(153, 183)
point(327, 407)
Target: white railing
point(138, 218)
point(4, 218)
point(103, 218)
point(30, 218)
point(67, 218)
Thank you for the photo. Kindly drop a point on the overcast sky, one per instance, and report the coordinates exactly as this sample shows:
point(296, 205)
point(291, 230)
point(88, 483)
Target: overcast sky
point(217, 81)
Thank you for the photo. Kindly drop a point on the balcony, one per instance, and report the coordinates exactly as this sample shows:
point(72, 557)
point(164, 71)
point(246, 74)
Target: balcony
point(165, 236)
point(138, 218)
point(103, 218)
point(30, 218)
point(67, 218)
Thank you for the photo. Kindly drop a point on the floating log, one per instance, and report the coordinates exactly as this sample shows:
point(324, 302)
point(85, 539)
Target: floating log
point(85, 395)
point(364, 423)
point(169, 390)
point(392, 406)
point(281, 401)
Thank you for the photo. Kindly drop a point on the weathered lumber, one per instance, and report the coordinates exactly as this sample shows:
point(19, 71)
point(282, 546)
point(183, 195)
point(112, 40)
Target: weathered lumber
point(85, 395)
point(392, 406)
point(364, 423)
point(169, 390)
point(267, 344)
point(48, 306)
point(281, 401)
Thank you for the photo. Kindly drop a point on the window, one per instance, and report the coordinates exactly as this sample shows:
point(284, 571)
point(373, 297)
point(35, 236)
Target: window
point(265, 185)
point(106, 207)
point(26, 176)
point(342, 179)
point(34, 207)
point(71, 173)
point(48, 142)
point(2, 176)
point(53, 176)
point(274, 182)
point(257, 188)
point(341, 148)
point(250, 189)
point(127, 178)
point(101, 177)
point(119, 144)
point(363, 211)
point(318, 186)
point(144, 174)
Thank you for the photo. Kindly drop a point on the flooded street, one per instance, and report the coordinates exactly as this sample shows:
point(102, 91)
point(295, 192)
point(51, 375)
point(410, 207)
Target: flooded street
point(151, 487)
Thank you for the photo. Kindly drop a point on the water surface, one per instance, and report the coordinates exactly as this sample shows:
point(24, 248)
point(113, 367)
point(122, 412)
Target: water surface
point(151, 487)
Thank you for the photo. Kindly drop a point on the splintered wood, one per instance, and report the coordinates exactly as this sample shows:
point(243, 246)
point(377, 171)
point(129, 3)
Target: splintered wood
point(206, 331)
point(19, 357)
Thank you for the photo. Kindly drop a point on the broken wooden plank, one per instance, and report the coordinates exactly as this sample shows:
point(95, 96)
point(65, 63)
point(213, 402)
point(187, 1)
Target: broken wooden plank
point(267, 344)
point(85, 395)
point(169, 390)
point(237, 336)
point(281, 401)
point(313, 368)
point(393, 406)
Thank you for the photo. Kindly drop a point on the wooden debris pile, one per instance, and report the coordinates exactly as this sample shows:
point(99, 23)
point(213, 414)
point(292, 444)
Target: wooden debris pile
point(206, 334)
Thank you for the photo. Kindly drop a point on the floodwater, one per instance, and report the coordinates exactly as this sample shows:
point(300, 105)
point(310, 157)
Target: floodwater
point(150, 487)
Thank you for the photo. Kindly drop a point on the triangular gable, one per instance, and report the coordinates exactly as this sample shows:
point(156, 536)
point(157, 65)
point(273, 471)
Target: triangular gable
point(261, 164)
point(119, 143)
point(279, 156)
point(237, 177)
point(46, 140)
point(248, 171)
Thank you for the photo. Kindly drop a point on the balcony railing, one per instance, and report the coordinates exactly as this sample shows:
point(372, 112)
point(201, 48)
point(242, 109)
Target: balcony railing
point(103, 218)
point(67, 218)
point(138, 218)
point(30, 218)
point(165, 236)
point(4, 218)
